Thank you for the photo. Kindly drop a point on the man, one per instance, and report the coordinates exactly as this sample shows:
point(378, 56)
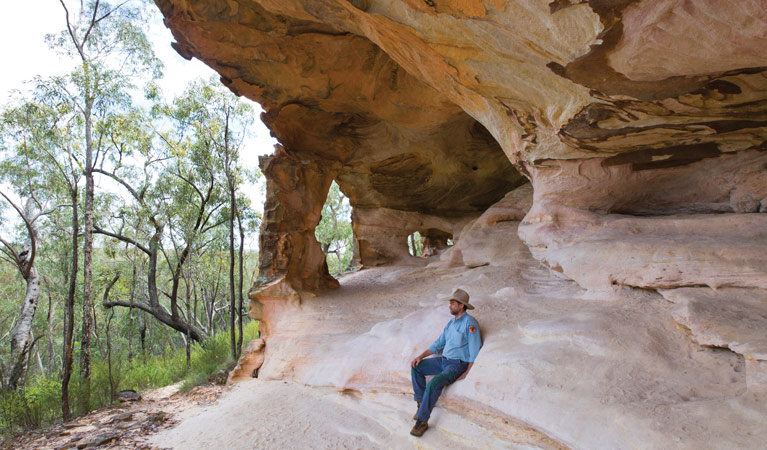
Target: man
point(459, 343)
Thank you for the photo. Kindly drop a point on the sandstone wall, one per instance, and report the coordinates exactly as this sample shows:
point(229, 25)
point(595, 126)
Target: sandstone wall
point(641, 127)
point(432, 111)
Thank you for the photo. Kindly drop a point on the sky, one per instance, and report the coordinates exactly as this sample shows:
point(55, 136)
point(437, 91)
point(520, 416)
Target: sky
point(23, 25)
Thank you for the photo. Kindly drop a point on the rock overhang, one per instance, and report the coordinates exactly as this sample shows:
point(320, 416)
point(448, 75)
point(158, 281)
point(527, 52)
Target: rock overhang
point(641, 126)
point(434, 110)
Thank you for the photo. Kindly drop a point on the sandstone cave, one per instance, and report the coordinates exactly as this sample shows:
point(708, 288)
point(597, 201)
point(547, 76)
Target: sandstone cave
point(601, 167)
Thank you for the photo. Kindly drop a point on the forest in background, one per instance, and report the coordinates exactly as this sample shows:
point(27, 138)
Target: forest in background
point(123, 225)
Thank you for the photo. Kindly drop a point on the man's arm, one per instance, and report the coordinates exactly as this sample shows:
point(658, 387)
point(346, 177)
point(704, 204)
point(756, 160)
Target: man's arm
point(418, 358)
point(435, 348)
point(475, 343)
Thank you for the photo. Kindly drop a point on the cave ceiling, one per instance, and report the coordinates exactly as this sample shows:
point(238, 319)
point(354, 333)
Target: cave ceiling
point(389, 85)
point(334, 96)
point(440, 107)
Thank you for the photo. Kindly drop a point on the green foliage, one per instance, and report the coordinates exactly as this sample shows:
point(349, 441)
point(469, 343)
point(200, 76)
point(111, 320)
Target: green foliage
point(212, 356)
point(415, 244)
point(39, 404)
point(334, 232)
point(153, 167)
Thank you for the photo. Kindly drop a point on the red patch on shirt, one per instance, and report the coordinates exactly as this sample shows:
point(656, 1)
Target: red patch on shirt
point(472, 329)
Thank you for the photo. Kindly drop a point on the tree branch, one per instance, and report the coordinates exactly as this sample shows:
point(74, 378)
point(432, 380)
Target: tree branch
point(124, 183)
point(109, 287)
point(71, 31)
point(137, 244)
point(32, 238)
point(140, 305)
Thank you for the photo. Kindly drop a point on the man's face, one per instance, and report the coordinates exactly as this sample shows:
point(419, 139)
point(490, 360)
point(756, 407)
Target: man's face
point(455, 307)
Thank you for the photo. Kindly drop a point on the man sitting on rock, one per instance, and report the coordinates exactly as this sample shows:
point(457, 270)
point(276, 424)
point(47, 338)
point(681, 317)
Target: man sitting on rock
point(459, 343)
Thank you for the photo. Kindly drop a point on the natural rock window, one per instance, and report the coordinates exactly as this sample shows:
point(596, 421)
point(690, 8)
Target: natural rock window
point(414, 244)
point(334, 232)
point(428, 242)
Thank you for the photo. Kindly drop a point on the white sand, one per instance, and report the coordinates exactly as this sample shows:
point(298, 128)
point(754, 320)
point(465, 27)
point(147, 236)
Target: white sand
point(259, 414)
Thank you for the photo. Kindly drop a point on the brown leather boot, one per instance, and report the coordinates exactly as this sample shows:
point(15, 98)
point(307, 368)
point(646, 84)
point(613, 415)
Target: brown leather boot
point(419, 428)
point(415, 416)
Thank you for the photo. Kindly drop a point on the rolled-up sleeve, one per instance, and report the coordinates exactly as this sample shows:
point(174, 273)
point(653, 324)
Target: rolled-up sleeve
point(439, 344)
point(475, 341)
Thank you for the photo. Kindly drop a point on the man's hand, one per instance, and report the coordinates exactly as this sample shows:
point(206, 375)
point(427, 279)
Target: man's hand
point(419, 358)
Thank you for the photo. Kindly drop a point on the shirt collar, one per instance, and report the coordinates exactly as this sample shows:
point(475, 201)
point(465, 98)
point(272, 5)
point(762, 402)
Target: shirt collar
point(458, 319)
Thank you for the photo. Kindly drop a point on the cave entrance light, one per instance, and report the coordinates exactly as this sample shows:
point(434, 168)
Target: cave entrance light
point(334, 232)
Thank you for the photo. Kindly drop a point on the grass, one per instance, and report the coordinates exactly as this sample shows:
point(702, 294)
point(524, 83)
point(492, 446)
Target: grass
point(39, 404)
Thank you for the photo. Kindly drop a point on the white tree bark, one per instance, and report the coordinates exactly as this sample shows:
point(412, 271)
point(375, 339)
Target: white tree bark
point(21, 335)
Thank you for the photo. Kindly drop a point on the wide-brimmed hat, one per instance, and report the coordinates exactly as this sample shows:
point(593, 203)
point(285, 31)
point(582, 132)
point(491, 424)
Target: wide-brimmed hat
point(461, 296)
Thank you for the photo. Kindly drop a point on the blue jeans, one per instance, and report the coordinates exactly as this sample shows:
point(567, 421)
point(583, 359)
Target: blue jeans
point(445, 371)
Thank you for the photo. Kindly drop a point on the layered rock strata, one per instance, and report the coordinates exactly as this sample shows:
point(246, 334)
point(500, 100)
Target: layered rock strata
point(640, 108)
point(624, 368)
point(641, 126)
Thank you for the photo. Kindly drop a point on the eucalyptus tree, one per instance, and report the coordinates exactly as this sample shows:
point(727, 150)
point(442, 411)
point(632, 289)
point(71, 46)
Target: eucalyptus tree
point(40, 161)
point(144, 221)
point(334, 232)
point(220, 122)
point(110, 47)
point(28, 134)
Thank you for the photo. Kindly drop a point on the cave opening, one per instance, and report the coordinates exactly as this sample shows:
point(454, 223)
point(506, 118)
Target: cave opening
point(414, 244)
point(334, 232)
point(430, 242)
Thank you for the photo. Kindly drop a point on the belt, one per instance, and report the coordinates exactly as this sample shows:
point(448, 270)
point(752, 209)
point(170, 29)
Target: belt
point(456, 359)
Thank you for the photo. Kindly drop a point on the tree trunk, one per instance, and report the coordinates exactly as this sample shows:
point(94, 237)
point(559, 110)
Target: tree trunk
point(85, 336)
point(112, 390)
point(21, 335)
point(51, 312)
point(142, 338)
point(69, 313)
point(39, 361)
point(232, 298)
point(189, 327)
point(240, 283)
point(131, 322)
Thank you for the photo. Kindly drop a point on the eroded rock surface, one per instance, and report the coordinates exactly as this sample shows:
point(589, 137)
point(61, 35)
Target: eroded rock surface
point(641, 126)
point(577, 368)
point(651, 107)
point(731, 318)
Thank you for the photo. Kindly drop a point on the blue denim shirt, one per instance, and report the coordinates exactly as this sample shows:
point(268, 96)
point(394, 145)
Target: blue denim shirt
point(459, 340)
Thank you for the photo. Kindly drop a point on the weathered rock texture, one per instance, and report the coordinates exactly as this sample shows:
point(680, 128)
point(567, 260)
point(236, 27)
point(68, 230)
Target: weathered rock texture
point(641, 126)
point(420, 109)
point(575, 368)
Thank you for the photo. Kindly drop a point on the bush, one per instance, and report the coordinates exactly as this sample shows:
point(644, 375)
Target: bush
point(39, 404)
point(214, 355)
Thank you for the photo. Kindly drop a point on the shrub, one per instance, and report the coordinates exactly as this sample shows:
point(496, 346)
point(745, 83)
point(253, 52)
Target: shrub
point(214, 355)
point(39, 404)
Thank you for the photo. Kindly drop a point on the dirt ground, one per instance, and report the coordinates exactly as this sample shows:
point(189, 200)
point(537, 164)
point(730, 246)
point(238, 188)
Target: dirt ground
point(126, 426)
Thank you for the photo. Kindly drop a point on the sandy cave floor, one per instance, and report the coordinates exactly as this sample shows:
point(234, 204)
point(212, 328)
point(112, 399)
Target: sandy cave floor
point(284, 415)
